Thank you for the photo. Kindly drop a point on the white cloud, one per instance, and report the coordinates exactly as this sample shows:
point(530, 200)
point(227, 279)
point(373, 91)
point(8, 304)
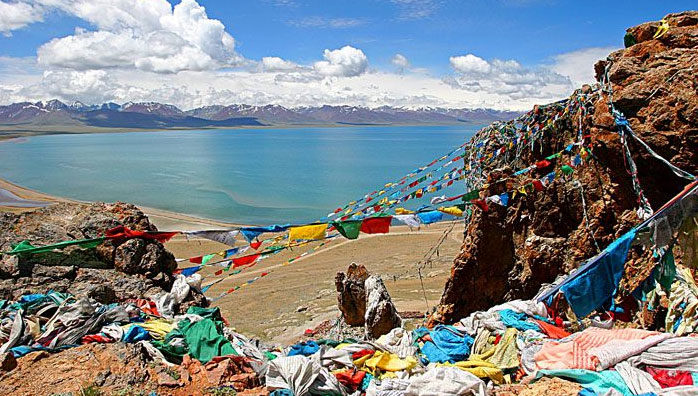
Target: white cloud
point(322, 22)
point(147, 35)
point(579, 65)
point(401, 62)
point(17, 15)
point(344, 62)
point(276, 64)
point(507, 77)
point(469, 64)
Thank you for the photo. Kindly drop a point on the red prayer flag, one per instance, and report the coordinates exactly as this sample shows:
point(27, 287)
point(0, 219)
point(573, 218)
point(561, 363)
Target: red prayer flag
point(538, 185)
point(255, 245)
point(196, 260)
point(124, 232)
point(376, 225)
point(245, 260)
point(481, 204)
point(218, 272)
point(542, 164)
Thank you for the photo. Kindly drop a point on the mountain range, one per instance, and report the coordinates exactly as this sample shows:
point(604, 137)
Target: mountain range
point(153, 115)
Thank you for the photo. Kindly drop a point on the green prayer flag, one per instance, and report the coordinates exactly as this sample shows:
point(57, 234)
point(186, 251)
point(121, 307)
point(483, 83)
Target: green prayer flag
point(25, 247)
point(566, 169)
point(470, 195)
point(349, 229)
point(207, 258)
point(550, 157)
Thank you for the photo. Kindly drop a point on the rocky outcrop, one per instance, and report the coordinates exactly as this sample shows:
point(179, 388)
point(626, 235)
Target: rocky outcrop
point(116, 270)
point(364, 301)
point(351, 294)
point(509, 252)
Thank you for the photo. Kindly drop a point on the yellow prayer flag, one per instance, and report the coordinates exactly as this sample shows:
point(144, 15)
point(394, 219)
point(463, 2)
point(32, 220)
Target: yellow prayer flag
point(312, 232)
point(452, 210)
point(401, 211)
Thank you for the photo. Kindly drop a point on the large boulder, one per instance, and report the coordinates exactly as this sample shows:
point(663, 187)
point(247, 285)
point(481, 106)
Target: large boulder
point(116, 270)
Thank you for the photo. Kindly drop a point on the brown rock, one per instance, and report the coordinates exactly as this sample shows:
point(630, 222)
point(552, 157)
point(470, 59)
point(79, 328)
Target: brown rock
point(7, 362)
point(351, 294)
point(381, 314)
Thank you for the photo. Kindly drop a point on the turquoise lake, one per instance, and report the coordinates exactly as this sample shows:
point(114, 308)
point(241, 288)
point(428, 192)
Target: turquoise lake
point(252, 176)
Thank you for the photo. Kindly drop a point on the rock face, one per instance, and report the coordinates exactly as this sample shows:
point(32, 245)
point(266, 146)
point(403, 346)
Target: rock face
point(351, 294)
point(115, 271)
point(381, 314)
point(124, 369)
point(509, 252)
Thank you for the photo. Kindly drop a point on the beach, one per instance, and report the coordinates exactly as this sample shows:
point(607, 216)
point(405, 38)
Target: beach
point(301, 295)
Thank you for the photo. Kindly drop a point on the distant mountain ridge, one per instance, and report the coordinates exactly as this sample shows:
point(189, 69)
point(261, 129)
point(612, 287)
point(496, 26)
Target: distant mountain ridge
point(154, 115)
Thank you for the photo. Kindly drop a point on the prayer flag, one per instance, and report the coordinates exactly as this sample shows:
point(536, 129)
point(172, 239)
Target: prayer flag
point(348, 229)
point(225, 237)
point(308, 232)
point(376, 225)
point(245, 260)
point(125, 232)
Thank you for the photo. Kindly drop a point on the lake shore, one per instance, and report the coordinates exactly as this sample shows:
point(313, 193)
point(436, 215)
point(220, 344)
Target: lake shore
point(269, 308)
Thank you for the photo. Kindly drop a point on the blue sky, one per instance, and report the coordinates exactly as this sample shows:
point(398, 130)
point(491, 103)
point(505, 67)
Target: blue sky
point(453, 53)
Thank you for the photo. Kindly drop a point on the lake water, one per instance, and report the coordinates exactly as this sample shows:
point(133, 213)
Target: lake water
point(253, 176)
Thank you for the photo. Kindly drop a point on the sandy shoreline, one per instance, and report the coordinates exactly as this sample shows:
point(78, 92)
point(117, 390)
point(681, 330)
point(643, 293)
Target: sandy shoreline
point(269, 308)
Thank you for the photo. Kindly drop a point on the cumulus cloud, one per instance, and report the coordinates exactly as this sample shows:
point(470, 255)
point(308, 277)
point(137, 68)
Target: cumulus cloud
point(469, 64)
point(344, 62)
point(507, 77)
point(276, 64)
point(146, 35)
point(579, 65)
point(401, 62)
point(17, 15)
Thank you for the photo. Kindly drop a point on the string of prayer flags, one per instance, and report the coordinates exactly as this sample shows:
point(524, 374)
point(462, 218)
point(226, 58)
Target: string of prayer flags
point(223, 236)
point(376, 225)
point(25, 247)
point(349, 228)
point(125, 232)
point(308, 232)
